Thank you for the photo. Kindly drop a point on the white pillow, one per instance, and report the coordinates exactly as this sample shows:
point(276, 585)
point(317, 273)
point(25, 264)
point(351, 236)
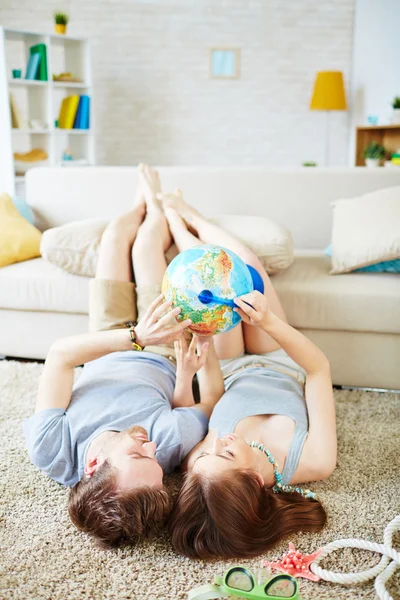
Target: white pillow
point(74, 247)
point(366, 230)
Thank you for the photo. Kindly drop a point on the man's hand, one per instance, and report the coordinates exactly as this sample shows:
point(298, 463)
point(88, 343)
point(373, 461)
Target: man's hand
point(188, 362)
point(155, 327)
point(254, 309)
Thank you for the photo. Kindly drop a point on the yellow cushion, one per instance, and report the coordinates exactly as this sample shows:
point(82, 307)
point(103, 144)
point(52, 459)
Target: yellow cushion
point(19, 240)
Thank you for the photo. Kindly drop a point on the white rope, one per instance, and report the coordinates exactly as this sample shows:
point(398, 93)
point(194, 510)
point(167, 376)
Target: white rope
point(382, 571)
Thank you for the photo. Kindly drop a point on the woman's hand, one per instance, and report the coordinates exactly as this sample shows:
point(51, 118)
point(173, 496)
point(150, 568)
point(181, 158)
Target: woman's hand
point(155, 327)
point(188, 362)
point(254, 309)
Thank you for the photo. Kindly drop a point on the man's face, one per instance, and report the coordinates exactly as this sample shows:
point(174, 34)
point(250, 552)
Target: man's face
point(133, 456)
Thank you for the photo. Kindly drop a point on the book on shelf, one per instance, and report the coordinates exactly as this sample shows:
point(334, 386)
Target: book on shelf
point(68, 110)
point(41, 50)
point(78, 115)
point(32, 68)
point(82, 114)
point(75, 113)
point(17, 121)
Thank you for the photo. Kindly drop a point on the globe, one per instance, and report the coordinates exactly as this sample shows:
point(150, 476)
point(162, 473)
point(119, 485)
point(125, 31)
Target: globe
point(203, 281)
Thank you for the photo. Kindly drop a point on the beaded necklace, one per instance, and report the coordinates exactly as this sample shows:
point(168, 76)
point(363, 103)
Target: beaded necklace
point(279, 486)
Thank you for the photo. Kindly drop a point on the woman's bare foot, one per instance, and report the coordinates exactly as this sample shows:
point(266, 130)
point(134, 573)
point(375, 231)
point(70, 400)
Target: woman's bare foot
point(175, 201)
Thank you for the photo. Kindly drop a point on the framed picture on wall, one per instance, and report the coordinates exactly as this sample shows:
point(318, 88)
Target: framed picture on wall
point(224, 63)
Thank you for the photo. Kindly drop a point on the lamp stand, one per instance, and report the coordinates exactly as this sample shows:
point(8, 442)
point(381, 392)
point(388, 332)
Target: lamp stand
point(327, 128)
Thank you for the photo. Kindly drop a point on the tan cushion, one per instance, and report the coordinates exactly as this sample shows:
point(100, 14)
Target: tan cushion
point(40, 286)
point(352, 302)
point(271, 242)
point(74, 247)
point(366, 230)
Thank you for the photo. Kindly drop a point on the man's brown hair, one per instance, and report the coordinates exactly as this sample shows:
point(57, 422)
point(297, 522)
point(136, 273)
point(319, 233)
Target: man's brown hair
point(233, 516)
point(113, 516)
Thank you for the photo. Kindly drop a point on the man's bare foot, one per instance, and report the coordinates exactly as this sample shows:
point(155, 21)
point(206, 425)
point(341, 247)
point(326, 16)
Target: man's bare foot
point(149, 184)
point(139, 201)
point(175, 201)
point(153, 177)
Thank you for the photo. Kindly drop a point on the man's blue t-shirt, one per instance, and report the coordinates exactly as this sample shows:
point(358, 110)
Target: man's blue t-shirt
point(113, 393)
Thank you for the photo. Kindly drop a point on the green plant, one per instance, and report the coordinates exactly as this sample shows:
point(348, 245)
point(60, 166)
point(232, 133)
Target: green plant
point(396, 102)
point(309, 163)
point(375, 151)
point(61, 18)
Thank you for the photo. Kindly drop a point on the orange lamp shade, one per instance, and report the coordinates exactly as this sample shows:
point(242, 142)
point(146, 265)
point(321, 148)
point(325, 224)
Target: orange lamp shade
point(329, 91)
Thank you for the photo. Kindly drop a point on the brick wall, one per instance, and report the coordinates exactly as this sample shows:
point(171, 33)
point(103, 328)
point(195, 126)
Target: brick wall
point(154, 100)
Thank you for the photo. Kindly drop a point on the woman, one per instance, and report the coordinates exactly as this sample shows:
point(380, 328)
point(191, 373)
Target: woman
point(273, 429)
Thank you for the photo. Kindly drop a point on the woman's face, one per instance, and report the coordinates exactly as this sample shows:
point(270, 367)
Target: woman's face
point(225, 454)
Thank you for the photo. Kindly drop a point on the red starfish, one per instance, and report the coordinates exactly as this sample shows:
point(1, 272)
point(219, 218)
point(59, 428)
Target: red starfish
point(296, 564)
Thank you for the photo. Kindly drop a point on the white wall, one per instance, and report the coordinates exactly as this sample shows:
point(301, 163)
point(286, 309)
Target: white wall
point(154, 100)
point(376, 63)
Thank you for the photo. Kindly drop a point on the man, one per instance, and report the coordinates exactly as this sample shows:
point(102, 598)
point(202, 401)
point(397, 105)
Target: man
point(131, 416)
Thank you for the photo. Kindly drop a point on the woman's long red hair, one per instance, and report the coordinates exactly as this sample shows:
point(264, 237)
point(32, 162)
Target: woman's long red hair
point(233, 516)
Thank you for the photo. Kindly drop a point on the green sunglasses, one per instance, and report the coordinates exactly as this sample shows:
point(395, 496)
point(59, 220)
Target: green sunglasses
point(241, 583)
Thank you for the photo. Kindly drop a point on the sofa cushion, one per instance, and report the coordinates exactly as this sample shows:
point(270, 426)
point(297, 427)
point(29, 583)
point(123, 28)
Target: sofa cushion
point(40, 286)
point(386, 266)
point(311, 297)
point(352, 302)
point(74, 246)
point(19, 240)
point(366, 230)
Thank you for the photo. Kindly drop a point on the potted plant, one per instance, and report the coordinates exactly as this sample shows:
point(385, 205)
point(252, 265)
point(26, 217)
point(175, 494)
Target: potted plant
point(61, 20)
point(373, 154)
point(396, 110)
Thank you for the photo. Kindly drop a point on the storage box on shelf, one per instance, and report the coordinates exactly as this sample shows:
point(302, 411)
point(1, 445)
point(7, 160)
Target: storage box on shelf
point(386, 135)
point(38, 102)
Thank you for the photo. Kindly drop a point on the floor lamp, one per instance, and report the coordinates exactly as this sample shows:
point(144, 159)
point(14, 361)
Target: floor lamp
point(328, 95)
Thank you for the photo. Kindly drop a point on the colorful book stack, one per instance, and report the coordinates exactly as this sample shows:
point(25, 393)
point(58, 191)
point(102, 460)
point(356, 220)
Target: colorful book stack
point(74, 113)
point(37, 63)
point(396, 157)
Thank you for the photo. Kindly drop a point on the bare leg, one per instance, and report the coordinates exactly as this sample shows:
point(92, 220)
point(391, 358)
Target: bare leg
point(256, 341)
point(152, 240)
point(111, 293)
point(115, 247)
point(231, 343)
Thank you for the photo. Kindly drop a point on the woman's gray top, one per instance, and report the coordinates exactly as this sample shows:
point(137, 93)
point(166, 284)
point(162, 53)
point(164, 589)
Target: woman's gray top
point(261, 391)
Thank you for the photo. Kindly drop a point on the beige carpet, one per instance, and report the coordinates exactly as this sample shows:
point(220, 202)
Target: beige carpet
point(43, 557)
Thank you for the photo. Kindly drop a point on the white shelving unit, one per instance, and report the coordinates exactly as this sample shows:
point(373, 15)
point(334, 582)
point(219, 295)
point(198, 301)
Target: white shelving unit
point(41, 101)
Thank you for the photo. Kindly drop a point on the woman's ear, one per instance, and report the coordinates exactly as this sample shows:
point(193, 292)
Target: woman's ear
point(260, 479)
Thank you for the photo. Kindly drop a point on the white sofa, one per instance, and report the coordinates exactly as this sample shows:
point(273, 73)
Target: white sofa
point(40, 303)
